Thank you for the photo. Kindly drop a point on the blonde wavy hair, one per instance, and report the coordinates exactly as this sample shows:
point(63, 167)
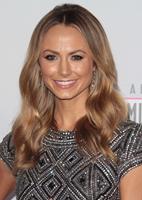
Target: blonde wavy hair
point(105, 106)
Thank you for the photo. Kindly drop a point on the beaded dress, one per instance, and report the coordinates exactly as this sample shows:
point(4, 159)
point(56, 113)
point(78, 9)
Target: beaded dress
point(66, 172)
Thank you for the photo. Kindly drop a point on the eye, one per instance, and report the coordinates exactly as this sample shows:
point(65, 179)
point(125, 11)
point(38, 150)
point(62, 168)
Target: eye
point(77, 57)
point(50, 57)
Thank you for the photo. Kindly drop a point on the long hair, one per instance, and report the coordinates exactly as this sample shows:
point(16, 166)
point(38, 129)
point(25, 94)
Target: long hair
point(105, 106)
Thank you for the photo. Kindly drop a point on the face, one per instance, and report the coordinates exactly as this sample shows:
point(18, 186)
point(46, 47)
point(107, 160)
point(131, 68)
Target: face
point(66, 62)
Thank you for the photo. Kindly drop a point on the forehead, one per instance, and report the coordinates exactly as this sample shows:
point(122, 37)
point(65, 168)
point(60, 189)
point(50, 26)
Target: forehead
point(62, 36)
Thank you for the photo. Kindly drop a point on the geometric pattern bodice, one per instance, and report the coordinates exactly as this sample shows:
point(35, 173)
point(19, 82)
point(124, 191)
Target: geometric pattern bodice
point(66, 172)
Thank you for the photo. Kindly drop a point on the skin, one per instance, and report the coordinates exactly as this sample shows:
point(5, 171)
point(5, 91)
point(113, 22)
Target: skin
point(131, 185)
point(7, 181)
point(66, 64)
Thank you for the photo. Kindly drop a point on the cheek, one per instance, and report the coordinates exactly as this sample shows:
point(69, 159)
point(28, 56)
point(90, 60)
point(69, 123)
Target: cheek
point(46, 75)
point(47, 71)
point(86, 70)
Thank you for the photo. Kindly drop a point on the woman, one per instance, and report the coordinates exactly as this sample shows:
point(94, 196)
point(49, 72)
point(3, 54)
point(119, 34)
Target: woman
point(72, 139)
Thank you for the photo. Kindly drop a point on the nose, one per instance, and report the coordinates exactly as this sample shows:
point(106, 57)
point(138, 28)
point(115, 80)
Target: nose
point(65, 67)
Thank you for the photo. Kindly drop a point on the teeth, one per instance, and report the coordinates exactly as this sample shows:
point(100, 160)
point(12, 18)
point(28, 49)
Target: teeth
point(65, 82)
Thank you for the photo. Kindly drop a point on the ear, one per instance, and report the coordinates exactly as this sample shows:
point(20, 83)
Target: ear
point(94, 69)
point(94, 66)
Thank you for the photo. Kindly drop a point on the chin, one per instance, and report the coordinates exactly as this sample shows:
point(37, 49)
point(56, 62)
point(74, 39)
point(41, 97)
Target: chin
point(64, 97)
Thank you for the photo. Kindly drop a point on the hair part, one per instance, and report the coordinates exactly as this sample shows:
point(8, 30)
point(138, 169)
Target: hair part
point(105, 106)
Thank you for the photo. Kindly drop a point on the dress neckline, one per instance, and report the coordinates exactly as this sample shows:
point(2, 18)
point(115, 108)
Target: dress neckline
point(61, 134)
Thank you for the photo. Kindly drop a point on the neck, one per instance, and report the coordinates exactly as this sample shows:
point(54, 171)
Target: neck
point(68, 112)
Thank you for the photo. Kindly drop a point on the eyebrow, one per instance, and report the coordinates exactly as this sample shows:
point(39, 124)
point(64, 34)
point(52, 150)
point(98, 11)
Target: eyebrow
point(56, 52)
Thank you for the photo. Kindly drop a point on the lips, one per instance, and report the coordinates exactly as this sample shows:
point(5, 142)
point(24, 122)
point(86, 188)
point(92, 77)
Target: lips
point(65, 83)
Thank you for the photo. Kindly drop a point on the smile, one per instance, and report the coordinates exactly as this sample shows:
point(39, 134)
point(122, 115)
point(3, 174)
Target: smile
point(65, 83)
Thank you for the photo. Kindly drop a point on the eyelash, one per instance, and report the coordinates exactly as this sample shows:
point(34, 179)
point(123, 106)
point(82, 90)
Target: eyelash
point(51, 57)
point(77, 57)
